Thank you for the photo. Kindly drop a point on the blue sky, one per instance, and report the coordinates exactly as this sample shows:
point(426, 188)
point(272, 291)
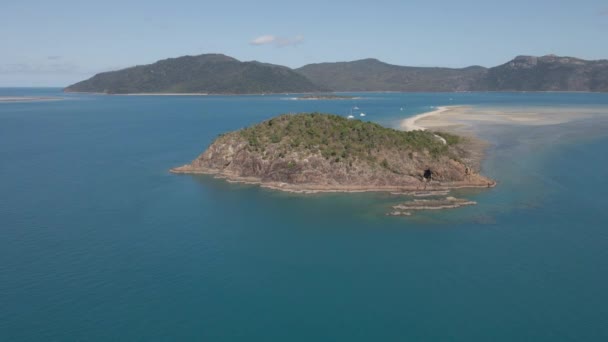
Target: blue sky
point(55, 43)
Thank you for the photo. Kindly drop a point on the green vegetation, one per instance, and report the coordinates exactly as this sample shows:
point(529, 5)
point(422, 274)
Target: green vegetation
point(524, 73)
point(547, 73)
point(374, 75)
point(339, 139)
point(211, 74)
point(450, 139)
point(220, 74)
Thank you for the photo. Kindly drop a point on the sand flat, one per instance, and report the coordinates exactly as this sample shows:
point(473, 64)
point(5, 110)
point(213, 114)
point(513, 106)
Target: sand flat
point(464, 119)
point(5, 99)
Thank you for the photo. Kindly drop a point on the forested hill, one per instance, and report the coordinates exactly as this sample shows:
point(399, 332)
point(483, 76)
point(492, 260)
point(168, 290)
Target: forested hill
point(220, 74)
point(547, 73)
point(524, 73)
point(374, 75)
point(209, 73)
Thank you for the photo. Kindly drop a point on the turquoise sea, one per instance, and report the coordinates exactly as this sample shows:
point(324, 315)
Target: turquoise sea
point(100, 243)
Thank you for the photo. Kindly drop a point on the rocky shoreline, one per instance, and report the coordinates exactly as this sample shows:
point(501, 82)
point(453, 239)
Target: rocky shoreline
point(406, 208)
point(419, 189)
point(321, 153)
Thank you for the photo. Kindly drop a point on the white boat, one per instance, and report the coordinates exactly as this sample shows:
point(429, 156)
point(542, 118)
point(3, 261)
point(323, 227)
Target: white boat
point(350, 117)
point(362, 114)
point(356, 108)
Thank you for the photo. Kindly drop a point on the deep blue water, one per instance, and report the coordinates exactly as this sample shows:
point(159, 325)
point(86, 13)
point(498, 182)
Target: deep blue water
point(100, 243)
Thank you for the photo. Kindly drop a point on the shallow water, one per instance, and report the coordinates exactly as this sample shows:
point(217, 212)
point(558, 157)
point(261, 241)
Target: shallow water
point(100, 242)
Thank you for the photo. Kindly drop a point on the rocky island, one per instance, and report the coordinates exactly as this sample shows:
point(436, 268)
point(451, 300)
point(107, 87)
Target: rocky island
point(314, 152)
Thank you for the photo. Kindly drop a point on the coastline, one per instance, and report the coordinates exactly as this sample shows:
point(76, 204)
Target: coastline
point(185, 94)
point(473, 148)
point(472, 123)
point(470, 120)
point(409, 124)
point(341, 92)
point(317, 188)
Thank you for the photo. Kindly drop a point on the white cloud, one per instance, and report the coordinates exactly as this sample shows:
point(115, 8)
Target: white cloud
point(277, 41)
point(263, 40)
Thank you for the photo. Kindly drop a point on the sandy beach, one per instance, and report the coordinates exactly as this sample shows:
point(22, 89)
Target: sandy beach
point(409, 124)
point(467, 119)
point(473, 122)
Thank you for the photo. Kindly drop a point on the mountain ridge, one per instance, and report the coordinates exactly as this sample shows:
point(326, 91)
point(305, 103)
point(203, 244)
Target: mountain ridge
point(207, 73)
point(523, 73)
point(371, 74)
point(221, 74)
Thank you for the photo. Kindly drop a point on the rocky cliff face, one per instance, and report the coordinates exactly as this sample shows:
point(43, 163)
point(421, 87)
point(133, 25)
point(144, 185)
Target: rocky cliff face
point(279, 163)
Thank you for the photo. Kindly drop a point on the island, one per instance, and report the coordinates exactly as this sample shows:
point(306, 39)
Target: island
point(315, 152)
point(202, 74)
point(523, 73)
point(214, 74)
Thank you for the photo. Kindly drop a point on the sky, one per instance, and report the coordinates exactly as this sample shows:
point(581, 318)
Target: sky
point(57, 43)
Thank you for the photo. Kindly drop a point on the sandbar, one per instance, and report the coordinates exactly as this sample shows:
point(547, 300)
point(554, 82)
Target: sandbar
point(13, 99)
point(468, 119)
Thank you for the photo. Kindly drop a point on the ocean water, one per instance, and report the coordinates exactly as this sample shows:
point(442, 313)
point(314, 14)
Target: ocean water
point(100, 243)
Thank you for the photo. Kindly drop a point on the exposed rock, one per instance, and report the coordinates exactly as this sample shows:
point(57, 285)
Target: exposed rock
point(323, 153)
point(434, 204)
point(423, 193)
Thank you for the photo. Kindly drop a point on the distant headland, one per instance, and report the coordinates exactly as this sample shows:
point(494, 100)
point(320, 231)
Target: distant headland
point(315, 152)
point(220, 74)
